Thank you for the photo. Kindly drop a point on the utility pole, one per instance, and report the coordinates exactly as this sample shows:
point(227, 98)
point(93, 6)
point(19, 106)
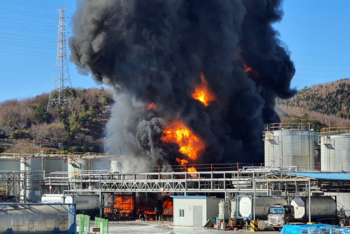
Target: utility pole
point(61, 75)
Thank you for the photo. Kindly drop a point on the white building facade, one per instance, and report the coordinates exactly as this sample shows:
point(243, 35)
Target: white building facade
point(194, 210)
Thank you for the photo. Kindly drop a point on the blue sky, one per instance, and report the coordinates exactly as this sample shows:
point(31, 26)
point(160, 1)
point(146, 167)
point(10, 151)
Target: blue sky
point(316, 32)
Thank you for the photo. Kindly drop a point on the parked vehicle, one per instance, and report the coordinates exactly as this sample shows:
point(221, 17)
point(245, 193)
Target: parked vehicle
point(323, 210)
point(85, 204)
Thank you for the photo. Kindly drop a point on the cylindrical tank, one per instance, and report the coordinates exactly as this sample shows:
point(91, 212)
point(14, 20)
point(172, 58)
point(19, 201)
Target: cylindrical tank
point(33, 167)
point(99, 163)
point(54, 164)
point(262, 204)
point(83, 202)
point(233, 203)
point(9, 163)
point(223, 210)
point(34, 218)
point(320, 207)
point(76, 165)
point(289, 145)
point(335, 151)
point(114, 166)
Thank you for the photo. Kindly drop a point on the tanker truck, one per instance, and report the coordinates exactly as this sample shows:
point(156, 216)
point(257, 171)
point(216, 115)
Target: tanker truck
point(262, 204)
point(323, 210)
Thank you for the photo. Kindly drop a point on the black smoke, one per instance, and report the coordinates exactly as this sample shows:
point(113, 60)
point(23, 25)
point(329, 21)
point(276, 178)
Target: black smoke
point(154, 51)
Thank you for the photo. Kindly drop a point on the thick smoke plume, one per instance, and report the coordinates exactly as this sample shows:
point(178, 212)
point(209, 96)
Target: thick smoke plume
point(155, 51)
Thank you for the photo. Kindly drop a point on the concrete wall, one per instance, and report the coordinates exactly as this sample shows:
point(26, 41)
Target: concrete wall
point(210, 209)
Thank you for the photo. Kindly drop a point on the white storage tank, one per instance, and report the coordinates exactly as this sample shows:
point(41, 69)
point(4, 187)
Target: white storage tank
point(262, 204)
point(321, 207)
point(287, 144)
point(335, 156)
point(224, 210)
point(8, 163)
point(33, 167)
point(335, 151)
point(55, 164)
point(99, 163)
point(114, 166)
point(233, 207)
point(76, 165)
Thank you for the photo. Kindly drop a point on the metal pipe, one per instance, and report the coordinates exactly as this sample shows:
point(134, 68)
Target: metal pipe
point(309, 201)
point(254, 189)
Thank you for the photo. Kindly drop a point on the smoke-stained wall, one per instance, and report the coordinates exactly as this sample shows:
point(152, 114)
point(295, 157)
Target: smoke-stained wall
point(155, 51)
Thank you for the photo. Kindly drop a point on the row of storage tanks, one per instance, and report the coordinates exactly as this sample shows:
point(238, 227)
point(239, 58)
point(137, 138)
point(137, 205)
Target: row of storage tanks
point(52, 166)
point(288, 144)
point(242, 207)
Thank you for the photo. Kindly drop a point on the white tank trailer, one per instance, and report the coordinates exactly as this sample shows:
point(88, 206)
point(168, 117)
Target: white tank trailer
point(321, 207)
point(85, 204)
point(262, 204)
point(36, 218)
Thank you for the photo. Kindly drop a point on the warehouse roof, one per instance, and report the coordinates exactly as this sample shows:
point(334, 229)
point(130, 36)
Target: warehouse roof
point(194, 197)
point(323, 175)
point(289, 175)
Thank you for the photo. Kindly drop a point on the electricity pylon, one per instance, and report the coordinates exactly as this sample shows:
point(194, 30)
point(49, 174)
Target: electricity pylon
point(61, 76)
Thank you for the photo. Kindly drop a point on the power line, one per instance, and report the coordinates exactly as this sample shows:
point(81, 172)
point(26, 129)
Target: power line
point(26, 13)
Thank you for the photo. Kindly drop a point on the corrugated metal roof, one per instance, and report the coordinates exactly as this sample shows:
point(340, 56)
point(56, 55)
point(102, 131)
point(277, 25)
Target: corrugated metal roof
point(194, 197)
point(322, 175)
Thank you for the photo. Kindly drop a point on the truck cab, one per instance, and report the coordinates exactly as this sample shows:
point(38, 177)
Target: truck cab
point(280, 215)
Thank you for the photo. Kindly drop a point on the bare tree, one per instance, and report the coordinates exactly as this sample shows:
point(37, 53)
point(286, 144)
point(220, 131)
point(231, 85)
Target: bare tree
point(57, 132)
point(6, 129)
point(40, 131)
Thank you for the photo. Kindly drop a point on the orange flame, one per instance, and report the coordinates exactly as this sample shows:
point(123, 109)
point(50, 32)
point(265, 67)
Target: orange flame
point(168, 207)
point(250, 71)
point(203, 93)
point(183, 163)
point(124, 205)
point(192, 169)
point(190, 144)
point(152, 106)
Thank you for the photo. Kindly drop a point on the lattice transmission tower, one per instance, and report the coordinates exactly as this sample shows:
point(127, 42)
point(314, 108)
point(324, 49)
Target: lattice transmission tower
point(61, 79)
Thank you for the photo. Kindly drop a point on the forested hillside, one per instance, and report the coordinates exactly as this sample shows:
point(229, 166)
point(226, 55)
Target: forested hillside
point(26, 125)
point(328, 104)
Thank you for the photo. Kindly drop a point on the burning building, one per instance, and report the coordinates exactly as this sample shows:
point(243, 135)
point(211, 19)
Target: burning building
point(194, 81)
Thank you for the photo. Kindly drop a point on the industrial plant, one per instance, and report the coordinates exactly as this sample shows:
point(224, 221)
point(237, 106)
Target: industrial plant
point(300, 166)
point(193, 138)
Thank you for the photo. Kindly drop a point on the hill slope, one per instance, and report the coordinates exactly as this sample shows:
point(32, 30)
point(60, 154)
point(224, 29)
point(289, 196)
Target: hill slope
point(324, 103)
point(26, 125)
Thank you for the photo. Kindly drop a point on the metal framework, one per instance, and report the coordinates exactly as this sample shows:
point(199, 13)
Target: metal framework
point(15, 183)
point(61, 75)
point(180, 182)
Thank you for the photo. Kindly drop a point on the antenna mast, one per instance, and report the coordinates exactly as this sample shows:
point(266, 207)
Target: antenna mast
point(61, 75)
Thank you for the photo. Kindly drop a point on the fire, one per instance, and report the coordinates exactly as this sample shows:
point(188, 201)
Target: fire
point(192, 169)
point(152, 106)
point(190, 144)
point(250, 71)
point(168, 207)
point(124, 205)
point(183, 163)
point(203, 93)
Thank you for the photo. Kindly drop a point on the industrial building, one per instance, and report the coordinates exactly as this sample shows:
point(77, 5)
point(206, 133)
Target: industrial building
point(294, 156)
point(194, 210)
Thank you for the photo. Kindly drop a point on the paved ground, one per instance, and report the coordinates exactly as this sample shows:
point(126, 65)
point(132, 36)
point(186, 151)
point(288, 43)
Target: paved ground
point(163, 227)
